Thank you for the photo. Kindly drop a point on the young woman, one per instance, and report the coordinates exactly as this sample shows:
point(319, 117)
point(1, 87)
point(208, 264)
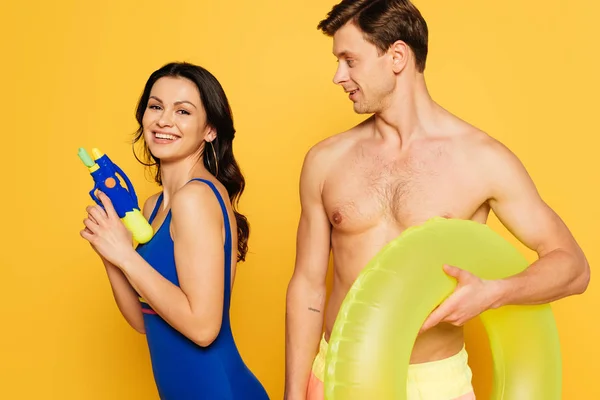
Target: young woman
point(177, 287)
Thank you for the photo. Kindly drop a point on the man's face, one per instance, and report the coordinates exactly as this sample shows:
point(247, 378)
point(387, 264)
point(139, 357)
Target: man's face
point(362, 72)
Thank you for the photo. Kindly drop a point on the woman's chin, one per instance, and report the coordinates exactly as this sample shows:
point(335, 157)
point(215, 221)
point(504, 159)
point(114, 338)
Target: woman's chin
point(163, 153)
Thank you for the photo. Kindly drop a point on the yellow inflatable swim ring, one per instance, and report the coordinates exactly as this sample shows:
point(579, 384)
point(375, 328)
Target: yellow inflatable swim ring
point(378, 322)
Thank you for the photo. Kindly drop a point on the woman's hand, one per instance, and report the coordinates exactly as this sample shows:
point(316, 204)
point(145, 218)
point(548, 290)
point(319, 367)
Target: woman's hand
point(106, 232)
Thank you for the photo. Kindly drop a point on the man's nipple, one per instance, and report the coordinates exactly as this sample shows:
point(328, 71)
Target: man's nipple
point(337, 217)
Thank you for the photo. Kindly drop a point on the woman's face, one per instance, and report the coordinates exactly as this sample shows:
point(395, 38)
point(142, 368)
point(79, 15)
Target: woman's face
point(174, 121)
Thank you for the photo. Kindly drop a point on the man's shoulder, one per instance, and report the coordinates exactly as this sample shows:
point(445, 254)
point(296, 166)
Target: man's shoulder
point(479, 144)
point(327, 152)
point(336, 144)
point(493, 160)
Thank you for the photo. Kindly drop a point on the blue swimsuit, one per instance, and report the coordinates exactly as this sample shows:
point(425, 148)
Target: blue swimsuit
point(182, 369)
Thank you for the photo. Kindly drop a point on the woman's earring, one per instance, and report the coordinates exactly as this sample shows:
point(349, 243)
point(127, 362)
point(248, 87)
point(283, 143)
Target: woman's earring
point(215, 158)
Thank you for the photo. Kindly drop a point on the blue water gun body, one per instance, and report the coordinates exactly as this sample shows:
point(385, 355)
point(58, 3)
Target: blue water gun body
point(125, 201)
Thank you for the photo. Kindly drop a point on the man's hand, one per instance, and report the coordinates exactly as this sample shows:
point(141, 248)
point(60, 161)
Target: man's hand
point(471, 297)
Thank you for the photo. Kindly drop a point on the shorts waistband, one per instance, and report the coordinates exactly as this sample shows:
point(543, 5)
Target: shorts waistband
point(447, 377)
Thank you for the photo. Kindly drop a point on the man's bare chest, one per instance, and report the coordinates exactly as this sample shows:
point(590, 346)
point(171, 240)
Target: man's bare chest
point(358, 196)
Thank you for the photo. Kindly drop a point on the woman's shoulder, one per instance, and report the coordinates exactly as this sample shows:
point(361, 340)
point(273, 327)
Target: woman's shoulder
point(203, 188)
point(198, 195)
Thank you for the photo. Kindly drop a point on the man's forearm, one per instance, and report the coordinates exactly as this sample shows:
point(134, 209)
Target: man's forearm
point(553, 276)
point(304, 324)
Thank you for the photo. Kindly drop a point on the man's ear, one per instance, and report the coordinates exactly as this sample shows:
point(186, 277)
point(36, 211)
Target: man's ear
point(400, 53)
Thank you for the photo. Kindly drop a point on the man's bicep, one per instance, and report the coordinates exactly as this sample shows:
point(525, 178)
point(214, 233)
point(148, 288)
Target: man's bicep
point(519, 206)
point(314, 230)
point(313, 245)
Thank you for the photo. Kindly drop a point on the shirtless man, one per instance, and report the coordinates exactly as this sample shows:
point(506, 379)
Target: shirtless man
point(410, 161)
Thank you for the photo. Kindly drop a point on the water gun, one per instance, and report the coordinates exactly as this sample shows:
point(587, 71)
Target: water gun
point(124, 200)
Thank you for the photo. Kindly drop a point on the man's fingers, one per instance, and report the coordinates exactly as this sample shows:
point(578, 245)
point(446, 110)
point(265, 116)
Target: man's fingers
point(440, 313)
point(453, 271)
point(434, 318)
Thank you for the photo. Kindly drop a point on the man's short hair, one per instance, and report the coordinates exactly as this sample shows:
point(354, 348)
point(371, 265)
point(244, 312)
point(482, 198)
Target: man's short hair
point(382, 22)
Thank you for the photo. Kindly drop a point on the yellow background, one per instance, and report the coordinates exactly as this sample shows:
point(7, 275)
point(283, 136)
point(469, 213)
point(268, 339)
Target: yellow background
point(72, 71)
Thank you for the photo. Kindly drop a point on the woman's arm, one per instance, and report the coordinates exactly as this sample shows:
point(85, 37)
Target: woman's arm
point(195, 308)
point(123, 293)
point(125, 297)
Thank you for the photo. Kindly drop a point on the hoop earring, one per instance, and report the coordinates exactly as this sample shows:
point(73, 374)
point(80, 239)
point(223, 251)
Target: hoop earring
point(155, 163)
point(215, 157)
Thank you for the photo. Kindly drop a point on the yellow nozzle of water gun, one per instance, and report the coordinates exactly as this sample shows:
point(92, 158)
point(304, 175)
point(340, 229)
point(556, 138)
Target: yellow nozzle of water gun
point(138, 225)
point(97, 153)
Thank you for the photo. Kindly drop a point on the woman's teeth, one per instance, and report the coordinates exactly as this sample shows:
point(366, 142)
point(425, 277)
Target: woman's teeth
point(165, 136)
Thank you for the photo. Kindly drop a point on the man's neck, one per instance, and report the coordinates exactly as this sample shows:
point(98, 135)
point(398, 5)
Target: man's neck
point(410, 112)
